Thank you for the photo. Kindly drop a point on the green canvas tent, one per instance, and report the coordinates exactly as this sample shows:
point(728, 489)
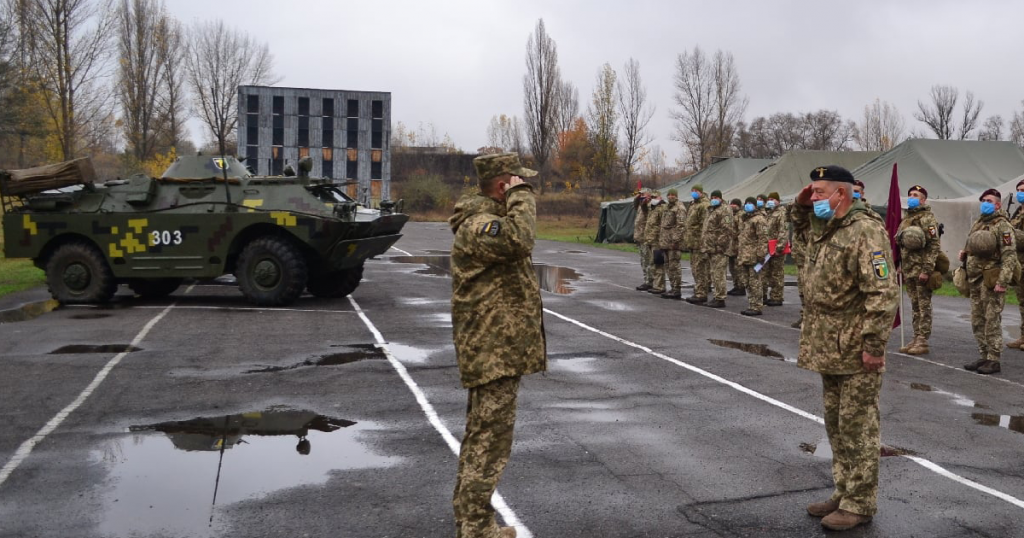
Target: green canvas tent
point(791, 172)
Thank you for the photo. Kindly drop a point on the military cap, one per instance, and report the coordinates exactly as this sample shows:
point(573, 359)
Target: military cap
point(859, 183)
point(832, 172)
point(697, 187)
point(671, 192)
point(488, 166)
point(1021, 182)
point(736, 201)
point(751, 200)
point(919, 189)
point(774, 195)
point(655, 193)
point(716, 193)
point(993, 192)
point(762, 196)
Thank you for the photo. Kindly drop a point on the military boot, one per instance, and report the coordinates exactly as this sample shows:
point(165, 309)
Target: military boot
point(674, 294)
point(736, 291)
point(918, 347)
point(989, 367)
point(974, 365)
point(643, 287)
point(772, 302)
point(799, 322)
point(822, 509)
point(751, 312)
point(1016, 344)
point(507, 532)
point(841, 520)
point(907, 347)
point(716, 303)
point(656, 291)
point(696, 300)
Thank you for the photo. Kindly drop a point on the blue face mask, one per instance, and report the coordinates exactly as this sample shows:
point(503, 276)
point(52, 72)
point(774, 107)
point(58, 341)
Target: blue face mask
point(823, 208)
point(716, 202)
point(1020, 197)
point(914, 203)
point(760, 203)
point(771, 204)
point(749, 208)
point(695, 195)
point(987, 208)
point(856, 196)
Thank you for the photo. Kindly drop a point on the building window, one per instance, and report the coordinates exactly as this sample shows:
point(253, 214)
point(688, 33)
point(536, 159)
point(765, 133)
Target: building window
point(376, 171)
point(277, 136)
point(378, 109)
point(303, 153)
point(353, 108)
point(327, 167)
point(327, 137)
point(353, 133)
point(276, 161)
point(252, 129)
point(252, 104)
point(252, 154)
point(303, 106)
point(377, 134)
point(328, 107)
point(351, 168)
point(278, 104)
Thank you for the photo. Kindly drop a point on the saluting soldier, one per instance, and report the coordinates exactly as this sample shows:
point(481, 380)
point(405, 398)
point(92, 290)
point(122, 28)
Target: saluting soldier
point(739, 275)
point(642, 204)
point(918, 237)
point(699, 263)
point(753, 247)
point(670, 241)
point(652, 229)
point(851, 299)
point(800, 244)
point(992, 267)
point(1017, 221)
point(778, 233)
point(716, 242)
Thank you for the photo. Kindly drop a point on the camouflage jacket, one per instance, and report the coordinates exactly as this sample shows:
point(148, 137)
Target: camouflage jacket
point(850, 295)
point(778, 225)
point(695, 222)
point(717, 234)
point(734, 246)
point(915, 262)
point(653, 226)
point(640, 221)
point(673, 226)
point(497, 317)
point(1006, 259)
point(753, 238)
point(1017, 221)
point(800, 240)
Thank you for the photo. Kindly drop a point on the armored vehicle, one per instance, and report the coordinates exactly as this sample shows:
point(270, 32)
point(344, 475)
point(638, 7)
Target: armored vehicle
point(205, 217)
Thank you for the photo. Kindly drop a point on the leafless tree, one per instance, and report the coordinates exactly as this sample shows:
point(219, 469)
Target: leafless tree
point(218, 60)
point(730, 105)
point(992, 128)
point(709, 104)
point(825, 130)
point(541, 86)
point(506, 133)
point(636, 113)
point(940, 114)
point(602, 124)
point(568, 109)
point(882, 128)
point(173, 107)
point(1017, 128)
point(969, 116)
point(653, 165)
point(73, 36)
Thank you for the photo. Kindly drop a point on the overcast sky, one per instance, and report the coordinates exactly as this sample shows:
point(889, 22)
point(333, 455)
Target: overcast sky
point(457, 63)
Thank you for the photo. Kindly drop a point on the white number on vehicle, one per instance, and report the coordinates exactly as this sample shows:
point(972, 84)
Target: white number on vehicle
point(164, 237)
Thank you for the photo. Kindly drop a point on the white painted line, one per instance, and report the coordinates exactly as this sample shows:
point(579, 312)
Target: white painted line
point(249, 309)
point(26, 447)
point(921, 461)
point(400, 250)
point(453, 444)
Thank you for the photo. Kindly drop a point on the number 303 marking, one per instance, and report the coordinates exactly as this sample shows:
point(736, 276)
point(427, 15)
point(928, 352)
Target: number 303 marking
point(165, 237)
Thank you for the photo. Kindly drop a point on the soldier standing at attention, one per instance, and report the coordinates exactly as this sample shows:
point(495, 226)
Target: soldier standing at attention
point(753, 246)
point(991, 256)
point(1018, 231)
point(498, 328)
point(918, 237)
point(858, 192)
point(717, 239)
point(778, 232)
point(651, 232)
point(739, 274)
point(851, 299)
point(699, 263)
point(642, 204)
point(800, 246)
point(670, 241)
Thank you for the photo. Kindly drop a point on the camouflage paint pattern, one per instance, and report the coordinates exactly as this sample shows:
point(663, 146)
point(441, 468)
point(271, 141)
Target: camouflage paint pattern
point(986, 304)
point(852, 424)
point(778, 229)
point(718, 231)
point(719, 264)
point(753, 246)
point(922, 260)
point(645, 251)
point(739, 275)
point(1017, 222)
point(1005, 258)
point(920, 304)
point(755, 288)
point(646, 262)
point(987, 320)
point(672, 233)
point(700, 264)
point(652, 230)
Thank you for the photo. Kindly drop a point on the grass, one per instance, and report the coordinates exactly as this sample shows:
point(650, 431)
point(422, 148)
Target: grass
point(949, 290)
point(18, 274)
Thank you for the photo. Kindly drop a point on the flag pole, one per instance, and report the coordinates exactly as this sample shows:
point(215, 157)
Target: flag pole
point(903, 340)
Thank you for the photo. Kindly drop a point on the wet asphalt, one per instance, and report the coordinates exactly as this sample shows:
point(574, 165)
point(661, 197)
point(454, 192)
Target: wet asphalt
point(656, 417)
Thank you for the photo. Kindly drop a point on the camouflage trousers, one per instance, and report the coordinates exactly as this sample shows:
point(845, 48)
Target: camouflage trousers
point(700, 267)
point(719, 265)
point(657, 274)
point(775, 278)
point(852, 424)
point(674, 269)
point(987, 320)
point(1020, 295)
point(801, 283)
point(755, 288)
point(920, 305)
point(490, 419)
point(738, 272)
point(646, 261)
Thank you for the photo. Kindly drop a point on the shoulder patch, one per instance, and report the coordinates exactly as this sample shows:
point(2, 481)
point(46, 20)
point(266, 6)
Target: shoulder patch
point(1007, 238)
point(492, 228)
point(932, 232)
point(879, 265)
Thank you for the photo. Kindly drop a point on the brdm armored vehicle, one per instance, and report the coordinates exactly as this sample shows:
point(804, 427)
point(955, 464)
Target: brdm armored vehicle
point(205, 217)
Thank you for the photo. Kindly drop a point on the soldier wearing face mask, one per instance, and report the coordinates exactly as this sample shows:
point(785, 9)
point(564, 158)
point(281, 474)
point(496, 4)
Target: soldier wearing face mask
point(739, 274)
point(700, 265)
point(778, 233)
point(858, 192)
point(1017, 221)
point(717, 238)
point(753, 246)
point(918, 237)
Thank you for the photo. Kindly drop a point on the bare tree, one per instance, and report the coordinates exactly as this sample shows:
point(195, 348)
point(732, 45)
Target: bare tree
point(636, 113)
point(602, 124)
point(939, 115)
point(969, 116)
point(882, 128)
point(653, 165)
point(219, 60)
point(710, 105)
point(541, 86)
point(173, 107)
point(567, 110)
point(506, 133)
point(992, 129)
point(825, 130)
point(1017, 128)
point(141, 77)
point(730, 106)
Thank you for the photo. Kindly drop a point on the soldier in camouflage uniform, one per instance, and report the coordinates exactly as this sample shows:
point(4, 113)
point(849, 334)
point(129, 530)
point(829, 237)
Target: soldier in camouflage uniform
point(851, 300)
point(739, 274)
point(992, 267)
point(801, 243)
point(642, 204)
point(1017, 221)
point(917, 265)
point(498, 329)
point(778, 231)
point(753, 246)
point(652, 229)
point(699, 263)
point(716, 242)
point(670, 241)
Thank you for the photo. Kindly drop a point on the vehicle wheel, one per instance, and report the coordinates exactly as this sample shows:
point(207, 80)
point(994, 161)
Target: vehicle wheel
point(154, 288)
point(77, 273)
point(271, 271)
point(335, 284)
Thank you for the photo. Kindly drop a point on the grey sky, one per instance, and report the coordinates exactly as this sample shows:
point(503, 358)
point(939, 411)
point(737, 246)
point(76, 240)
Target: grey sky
point(457, 63)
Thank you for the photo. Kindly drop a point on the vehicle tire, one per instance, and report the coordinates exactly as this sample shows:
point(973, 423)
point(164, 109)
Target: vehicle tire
point(77, 273)
point(271, 271)
point(335, 284)
point(154, 288)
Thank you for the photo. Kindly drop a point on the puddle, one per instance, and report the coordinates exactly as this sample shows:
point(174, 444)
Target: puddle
point(614, 306)
point(1010, 422)
point(754, 349)
point(359, 352)
point(957, 398)
point(90, 316)
point(408, 354)
point(170, 479)
point(574, 252)
point(87, 348)
point(552, 278)
point(822, 449)
point(420, 301)
point(444, 252)
point(28, 311)
point(580, 365)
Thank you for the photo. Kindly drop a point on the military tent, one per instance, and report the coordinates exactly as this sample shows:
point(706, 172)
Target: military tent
point(791, 172)
point(958, 214)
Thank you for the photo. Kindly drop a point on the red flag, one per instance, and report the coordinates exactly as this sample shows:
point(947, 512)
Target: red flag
point(893, 217)
point(638, 185)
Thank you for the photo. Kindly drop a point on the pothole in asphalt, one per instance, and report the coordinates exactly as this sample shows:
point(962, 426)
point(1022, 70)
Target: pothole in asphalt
point(171, 478)
point(957, 398)
point(358, 352)
point(96, 315)
point(1010, 422)
point(552, 278)
point(823, 449)
point(574, 252)
point(28, 311)
point(754, 349)
point(87, 348)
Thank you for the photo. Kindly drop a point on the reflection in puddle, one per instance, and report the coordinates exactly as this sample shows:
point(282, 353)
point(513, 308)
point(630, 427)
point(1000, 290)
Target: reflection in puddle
point(581, 365)
point(420, 301)
point(28, 311)
point(87, 348)
point(614, 306)
point(755, 349)
point(1012, 423)
point(957, 398)
point(408, 354)
point(360, 352)
point(551, 277)
point(824, 450)
point(168, 479)
point(97, 315)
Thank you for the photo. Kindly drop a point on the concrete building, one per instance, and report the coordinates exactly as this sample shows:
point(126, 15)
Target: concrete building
point(346, 133)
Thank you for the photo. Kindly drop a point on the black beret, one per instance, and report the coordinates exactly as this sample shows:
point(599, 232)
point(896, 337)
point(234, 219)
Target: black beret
point(751, 200)
point(993, 192)
point(918, 188)
point(716, 194)
point(832, 172)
